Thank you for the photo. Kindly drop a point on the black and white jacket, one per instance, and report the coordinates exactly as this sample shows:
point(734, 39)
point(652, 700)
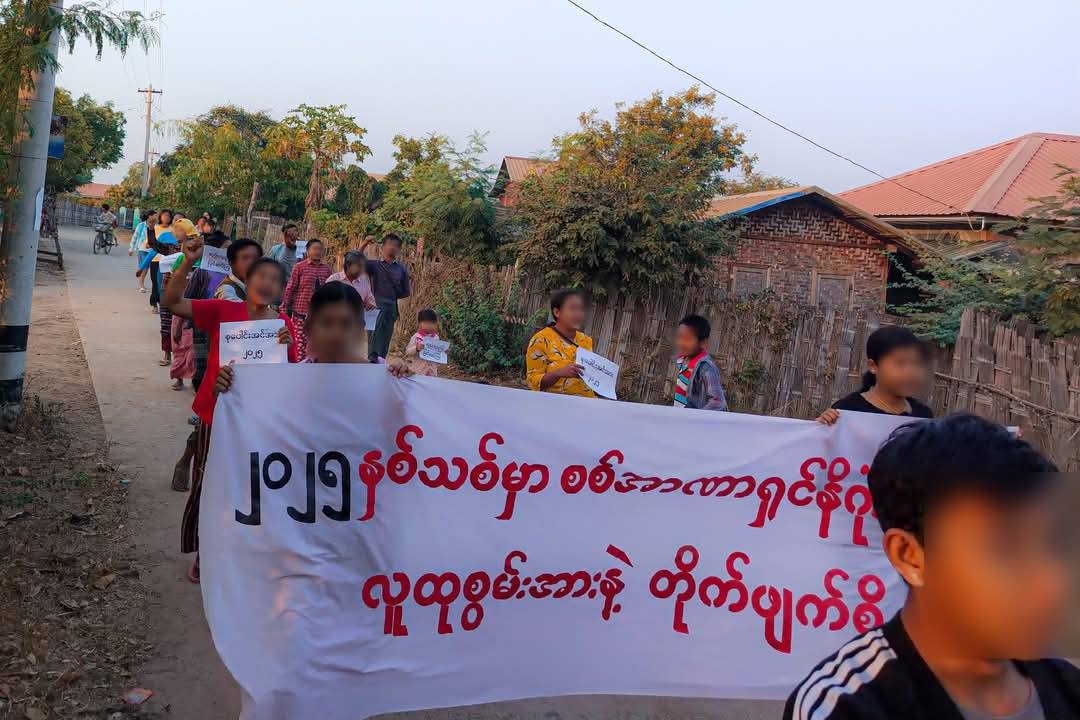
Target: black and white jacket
point(881, 676)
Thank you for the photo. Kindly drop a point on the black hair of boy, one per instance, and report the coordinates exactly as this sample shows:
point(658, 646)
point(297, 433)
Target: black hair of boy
point(313, 241)
point(216, 239)
point(559, 297)
point(427, 316)
point(391, 238)
point(233, 250)
point(697, 325)
point(923, 463)
point(336, 292)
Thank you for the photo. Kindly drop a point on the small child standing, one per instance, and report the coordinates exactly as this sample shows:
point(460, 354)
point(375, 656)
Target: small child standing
point(427, 329)
point(697, 379)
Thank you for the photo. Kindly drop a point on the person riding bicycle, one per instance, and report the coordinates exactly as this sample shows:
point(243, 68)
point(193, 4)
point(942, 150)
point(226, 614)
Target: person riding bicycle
point(106, 217)
point(104, 225)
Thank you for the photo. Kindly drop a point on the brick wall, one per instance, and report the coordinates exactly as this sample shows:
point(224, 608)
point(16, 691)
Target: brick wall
point(805, 253)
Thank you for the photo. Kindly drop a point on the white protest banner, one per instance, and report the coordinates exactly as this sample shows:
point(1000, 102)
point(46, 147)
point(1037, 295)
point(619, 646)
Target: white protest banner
point(301, 249)
point(435, 350)
point(599, 373)
point(251, 342)
point(398, 544)
point(215, 260)
point(370, 318)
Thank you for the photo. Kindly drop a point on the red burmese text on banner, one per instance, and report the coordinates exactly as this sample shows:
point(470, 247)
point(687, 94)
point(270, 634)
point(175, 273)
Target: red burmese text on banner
point(406, 544)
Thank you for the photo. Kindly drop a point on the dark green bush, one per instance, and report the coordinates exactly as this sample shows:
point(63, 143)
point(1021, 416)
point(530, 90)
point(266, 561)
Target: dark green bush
point(473, 318)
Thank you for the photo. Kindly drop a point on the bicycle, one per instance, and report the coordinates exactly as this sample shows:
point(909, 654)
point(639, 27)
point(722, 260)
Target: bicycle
point(104, 240)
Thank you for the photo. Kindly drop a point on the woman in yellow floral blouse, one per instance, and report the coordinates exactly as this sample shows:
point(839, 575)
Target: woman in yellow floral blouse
point(550, 358)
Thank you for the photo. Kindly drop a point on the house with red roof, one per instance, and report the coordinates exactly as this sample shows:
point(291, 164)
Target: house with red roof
point(807, 246)
point(511, 172)
point(93, 190)
point(954, 204)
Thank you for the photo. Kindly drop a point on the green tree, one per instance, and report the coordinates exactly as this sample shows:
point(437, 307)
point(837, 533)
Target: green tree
point(93, 139)
point(357, 192)
point(128, 192)
point(283, 185)
point(755, 182)
point(325, 135)
point(624, 203)
point(221, 156)
point(213, 169)
point(25, 28)
point(441, 194)
point(1041, 280)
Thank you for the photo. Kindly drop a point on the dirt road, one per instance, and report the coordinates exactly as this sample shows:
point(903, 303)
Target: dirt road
point(146, 428)
point(145, 422)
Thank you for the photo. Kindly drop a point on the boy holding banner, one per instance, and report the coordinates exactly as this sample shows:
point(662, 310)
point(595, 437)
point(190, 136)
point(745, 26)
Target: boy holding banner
point(972, 522)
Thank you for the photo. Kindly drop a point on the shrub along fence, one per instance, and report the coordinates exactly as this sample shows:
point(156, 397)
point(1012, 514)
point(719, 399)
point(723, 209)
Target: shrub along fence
point(776, 358)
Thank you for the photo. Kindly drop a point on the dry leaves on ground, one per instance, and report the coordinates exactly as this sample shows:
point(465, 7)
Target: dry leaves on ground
point(71, 599)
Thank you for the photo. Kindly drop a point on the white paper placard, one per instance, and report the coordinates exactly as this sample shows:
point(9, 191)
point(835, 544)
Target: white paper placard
point(435, 351)
point(370, 318)
point(167, 261)
point(251, 342)
point(600, 374)
point(215, 260)
point(301, 249)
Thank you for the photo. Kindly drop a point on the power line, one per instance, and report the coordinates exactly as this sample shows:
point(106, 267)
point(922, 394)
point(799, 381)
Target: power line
point(757, 112)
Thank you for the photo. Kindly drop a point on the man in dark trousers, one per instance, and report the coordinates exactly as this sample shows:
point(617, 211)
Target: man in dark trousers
point(389, 283)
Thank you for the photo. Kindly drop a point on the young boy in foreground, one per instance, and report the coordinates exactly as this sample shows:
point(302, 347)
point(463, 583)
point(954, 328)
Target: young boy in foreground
point(973, 522)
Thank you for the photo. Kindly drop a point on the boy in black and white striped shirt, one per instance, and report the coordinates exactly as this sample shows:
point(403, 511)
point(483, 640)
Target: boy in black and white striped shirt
point(973, 522)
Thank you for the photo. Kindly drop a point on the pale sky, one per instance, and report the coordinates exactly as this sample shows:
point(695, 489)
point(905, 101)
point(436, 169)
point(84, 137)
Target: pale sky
point(893, 84)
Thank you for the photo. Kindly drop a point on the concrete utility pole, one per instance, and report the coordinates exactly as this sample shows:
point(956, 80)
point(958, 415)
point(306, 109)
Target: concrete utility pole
point(22, 224)
point(150, 93)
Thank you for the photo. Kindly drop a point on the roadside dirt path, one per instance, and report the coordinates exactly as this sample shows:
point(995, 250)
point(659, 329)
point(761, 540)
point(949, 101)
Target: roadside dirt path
point(145, 422)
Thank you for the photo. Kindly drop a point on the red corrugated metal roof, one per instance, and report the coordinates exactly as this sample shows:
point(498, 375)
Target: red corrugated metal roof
point(519, 168)
point(93, 190)
point(995, 180)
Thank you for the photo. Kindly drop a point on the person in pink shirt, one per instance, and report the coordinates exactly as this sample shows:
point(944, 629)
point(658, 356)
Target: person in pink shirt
point(353, 274)
point(427, 329)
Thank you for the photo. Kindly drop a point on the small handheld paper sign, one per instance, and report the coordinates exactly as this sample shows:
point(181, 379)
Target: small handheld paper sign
point(370, 318)
point(215, 260)
point(251, 342)
point(435, 351)
point(599, 373)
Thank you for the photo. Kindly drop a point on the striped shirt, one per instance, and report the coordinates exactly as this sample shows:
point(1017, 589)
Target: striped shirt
point(880, 675)
point(684, 371)
point(306, 278)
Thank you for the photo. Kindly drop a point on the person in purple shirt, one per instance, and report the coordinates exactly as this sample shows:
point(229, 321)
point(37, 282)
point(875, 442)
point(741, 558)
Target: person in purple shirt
point(390, 283)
